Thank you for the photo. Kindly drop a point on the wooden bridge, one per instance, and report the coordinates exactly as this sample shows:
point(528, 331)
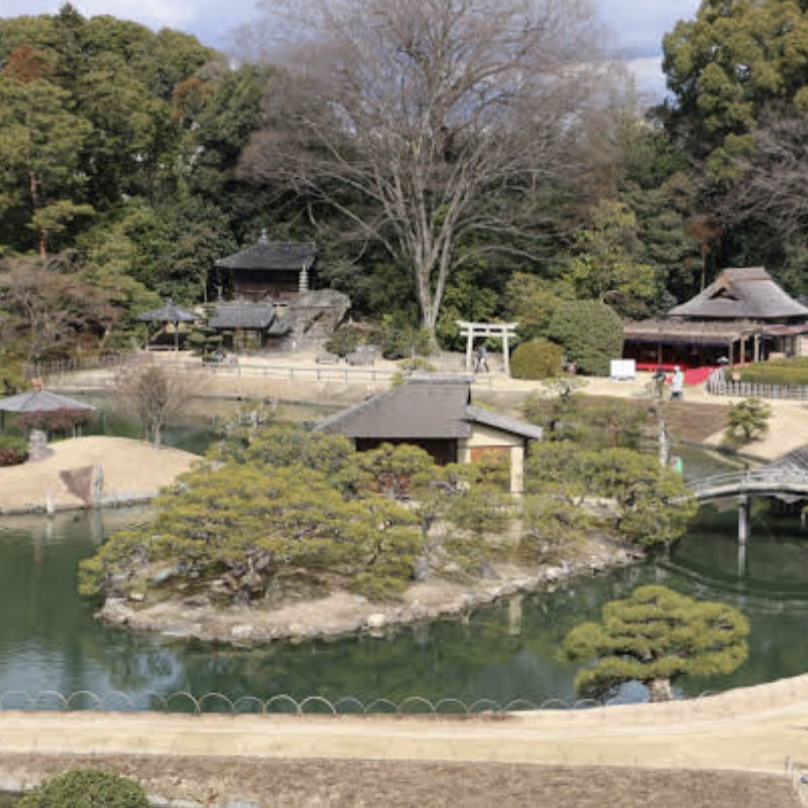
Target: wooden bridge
point(786, 482)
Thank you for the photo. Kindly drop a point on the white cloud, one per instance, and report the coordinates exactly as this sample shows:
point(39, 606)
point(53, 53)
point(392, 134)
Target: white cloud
point(639, 25)
point(650, 80)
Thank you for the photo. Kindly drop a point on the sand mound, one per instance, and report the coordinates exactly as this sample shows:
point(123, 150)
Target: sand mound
point(131, 471)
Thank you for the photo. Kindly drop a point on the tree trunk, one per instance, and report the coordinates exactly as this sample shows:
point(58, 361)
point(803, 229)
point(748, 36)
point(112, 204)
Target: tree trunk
point(660, 690)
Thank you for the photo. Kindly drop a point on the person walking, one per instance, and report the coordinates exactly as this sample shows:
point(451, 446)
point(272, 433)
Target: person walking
point(482, 360)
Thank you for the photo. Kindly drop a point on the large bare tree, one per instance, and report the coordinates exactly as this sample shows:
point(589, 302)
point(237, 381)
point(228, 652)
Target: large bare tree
point(772, 178)
point(430, 124)
point(154, 395)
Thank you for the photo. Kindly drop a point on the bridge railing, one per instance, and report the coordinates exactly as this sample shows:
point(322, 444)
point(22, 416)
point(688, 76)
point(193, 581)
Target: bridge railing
point(750, 478)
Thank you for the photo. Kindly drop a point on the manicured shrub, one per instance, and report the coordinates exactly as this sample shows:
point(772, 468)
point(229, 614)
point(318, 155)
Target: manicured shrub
point(537, 359)
point(13, 451)
point(343, 341)
point(787, 372)
point(402, 341)
point(406, 367)
point(590, 333)
point(86, 788)
point(747, 420)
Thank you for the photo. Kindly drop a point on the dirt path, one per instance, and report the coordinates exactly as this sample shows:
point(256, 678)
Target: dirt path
point(763, 729)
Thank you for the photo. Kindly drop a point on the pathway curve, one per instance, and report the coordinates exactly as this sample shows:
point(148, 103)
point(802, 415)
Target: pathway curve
point(763, 728)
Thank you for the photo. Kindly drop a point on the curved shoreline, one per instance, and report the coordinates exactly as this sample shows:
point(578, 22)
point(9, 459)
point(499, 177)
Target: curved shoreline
point(344, 614)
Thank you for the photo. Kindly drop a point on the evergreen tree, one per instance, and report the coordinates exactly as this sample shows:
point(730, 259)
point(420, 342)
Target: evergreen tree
point(656, 636)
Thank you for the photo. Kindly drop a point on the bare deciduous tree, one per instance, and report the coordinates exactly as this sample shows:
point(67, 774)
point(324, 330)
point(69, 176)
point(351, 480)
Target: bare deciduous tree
point(47, 308)
point(153, 395)
point(431, 124)
point(773, 178)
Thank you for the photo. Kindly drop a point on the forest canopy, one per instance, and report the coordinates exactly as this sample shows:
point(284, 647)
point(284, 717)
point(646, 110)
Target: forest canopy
point(447, 167)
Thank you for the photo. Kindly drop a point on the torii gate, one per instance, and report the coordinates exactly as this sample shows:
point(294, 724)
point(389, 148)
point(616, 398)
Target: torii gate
point(499, 330)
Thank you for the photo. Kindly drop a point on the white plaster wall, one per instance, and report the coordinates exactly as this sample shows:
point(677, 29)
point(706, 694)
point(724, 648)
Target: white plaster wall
point(482, 436)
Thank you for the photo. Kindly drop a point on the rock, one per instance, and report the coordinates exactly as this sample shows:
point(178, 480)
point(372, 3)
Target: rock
point(162, 575)
point(253, 581)
point(115, 611)
point(243, 631)
point(196, 601)
point(137, 597)
point(179, 632)
point(421, 570)
point(376, 620)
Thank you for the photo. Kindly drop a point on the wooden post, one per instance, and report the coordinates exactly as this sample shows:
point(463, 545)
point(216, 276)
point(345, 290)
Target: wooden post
point(506, 359)
point(469, 346)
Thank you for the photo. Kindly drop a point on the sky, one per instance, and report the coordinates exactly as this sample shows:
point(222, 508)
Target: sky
point(638, 25)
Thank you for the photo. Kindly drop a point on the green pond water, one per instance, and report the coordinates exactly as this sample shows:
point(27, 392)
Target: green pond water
point(49, 641)
point(51, 646)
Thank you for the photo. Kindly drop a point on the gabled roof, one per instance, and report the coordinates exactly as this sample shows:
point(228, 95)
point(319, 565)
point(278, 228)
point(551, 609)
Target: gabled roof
point(425, 408)
point(743, 293)
point(242, 314)
point(272, 255)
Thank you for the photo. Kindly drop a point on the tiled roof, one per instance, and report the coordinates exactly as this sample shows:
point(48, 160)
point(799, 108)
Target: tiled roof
point(272, 255)
point(41, 401)
point(428, 408)
point(256, 316)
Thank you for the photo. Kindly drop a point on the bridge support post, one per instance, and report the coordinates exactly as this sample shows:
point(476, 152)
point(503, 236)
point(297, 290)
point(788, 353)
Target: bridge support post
point(742, 560)
point(744, 520)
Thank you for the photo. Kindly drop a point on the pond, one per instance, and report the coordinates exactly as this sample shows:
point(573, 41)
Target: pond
point(51, 644)
point(195, 430)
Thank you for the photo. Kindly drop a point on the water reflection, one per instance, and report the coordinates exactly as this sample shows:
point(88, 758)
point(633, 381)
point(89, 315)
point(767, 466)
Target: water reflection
point(50, 641)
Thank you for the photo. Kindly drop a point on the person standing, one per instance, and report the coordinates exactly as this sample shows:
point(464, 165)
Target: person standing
point(677, 383)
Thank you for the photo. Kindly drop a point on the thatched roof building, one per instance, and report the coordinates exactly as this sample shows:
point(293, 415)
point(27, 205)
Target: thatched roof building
point(742, 316)
point(747, 293)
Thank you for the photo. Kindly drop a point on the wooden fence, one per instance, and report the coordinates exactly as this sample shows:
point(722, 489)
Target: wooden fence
point(719, 385)
point(58, 367)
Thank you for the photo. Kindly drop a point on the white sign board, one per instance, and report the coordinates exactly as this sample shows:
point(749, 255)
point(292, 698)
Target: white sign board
point(623, 369)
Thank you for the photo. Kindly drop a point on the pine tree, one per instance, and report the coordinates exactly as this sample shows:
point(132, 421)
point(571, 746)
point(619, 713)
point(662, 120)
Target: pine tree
point(654, 637)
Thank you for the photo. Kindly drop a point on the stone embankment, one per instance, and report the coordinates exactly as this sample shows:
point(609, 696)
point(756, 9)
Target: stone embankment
point(343, 613)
